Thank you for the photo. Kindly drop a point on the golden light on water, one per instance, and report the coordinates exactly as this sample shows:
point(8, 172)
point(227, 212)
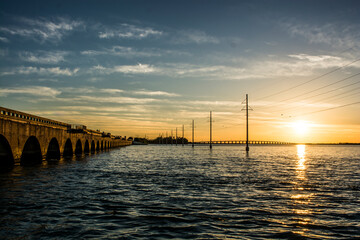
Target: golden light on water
point(301, 197)
point(301, 167)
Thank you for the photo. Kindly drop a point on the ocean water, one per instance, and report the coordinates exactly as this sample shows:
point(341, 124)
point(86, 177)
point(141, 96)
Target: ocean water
point(175, 192)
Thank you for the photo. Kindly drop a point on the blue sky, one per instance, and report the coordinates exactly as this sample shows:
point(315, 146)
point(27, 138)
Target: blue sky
point(147, 67)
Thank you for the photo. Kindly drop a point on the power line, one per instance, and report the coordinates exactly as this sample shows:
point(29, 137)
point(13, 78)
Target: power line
point(328, 109)
point(328, 85)
point(351, 90)
point(329, 97)
point(356, 93)
point(341, 80)
point(280, 80)
point(311, 80)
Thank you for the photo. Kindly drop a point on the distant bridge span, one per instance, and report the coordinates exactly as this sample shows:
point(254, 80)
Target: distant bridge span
point(28, 139)
point(253, 142)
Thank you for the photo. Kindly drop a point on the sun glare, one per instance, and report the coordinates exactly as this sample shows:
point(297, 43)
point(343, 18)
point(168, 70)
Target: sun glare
point(301, 127)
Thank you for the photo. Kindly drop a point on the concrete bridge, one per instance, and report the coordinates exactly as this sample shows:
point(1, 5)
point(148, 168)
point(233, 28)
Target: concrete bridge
point(28, 139)
point(244, 142)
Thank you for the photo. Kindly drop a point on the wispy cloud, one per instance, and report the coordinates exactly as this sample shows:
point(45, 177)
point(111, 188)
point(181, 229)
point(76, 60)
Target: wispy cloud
point(335, 35)
point(129, 31)
point(31, 90)
point(111, 90)
point(218, 103)
point(315, 58)
point(292, 65)
point(118, 100)
point(87, 90)
point(127, 69)
point(129, 108)
point(115, 91)
point(4, 39)
point(155, 93)
point(42, 71)
point(211, 72)
point(322, 61)
point(44, 57)
point(42, 29)
point(91, 95)
point(122, 51)
point(194, 36)
point(130, 52)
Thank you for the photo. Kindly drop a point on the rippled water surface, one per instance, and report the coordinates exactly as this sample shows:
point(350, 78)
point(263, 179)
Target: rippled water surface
point(165, 192)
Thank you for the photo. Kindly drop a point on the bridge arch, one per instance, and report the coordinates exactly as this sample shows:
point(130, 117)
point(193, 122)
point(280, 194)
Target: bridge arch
point(92, 147)
point(78, 148)
point(97, 146)
point(68, 150)
point(53, 151)
point(6, 156)
point(31, 153)
point(87, 147)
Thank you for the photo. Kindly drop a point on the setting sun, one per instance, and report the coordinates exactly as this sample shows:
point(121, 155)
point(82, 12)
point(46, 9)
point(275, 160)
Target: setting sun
point(301, 127)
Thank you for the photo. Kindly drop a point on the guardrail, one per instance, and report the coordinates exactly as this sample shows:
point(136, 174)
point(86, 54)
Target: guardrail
point(29, 117)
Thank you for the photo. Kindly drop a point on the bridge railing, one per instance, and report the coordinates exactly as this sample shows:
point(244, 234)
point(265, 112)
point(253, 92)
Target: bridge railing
point(94, 132)
point(9, 113)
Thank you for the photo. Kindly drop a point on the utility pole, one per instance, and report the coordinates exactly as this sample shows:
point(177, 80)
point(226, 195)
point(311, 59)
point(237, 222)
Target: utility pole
point(210, 129)
point(166, 139)
point(176, 137)
point(247, 124)
point(182, 140)
point(171, 136)
point(193, 133)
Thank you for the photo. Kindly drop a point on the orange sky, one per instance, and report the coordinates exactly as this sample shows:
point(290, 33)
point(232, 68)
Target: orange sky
point(136, 71)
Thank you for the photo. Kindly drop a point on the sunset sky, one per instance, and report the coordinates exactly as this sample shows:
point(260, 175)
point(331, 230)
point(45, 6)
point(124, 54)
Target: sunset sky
point(139, 68)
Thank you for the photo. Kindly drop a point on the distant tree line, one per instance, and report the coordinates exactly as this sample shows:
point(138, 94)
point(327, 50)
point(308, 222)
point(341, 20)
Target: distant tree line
point(141, 140)
point(168, 140)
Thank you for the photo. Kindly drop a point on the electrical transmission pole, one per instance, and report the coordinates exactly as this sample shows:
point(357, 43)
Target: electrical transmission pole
point(176, 137)
point(171, 136)
point(182, 140)
point(247, 124)
point(210, 129)
point(193, 133)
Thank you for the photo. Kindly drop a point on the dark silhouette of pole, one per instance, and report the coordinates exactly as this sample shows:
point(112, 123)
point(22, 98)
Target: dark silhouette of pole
point(171, 137)
point(182, 140)
point(210, 130)
point(193, 133)
point(166, 139)
point(247, 124)
point(176, 137)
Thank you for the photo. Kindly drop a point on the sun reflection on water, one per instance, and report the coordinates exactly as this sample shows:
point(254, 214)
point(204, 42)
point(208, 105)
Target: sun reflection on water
point(301, 197)
point(301, 165)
